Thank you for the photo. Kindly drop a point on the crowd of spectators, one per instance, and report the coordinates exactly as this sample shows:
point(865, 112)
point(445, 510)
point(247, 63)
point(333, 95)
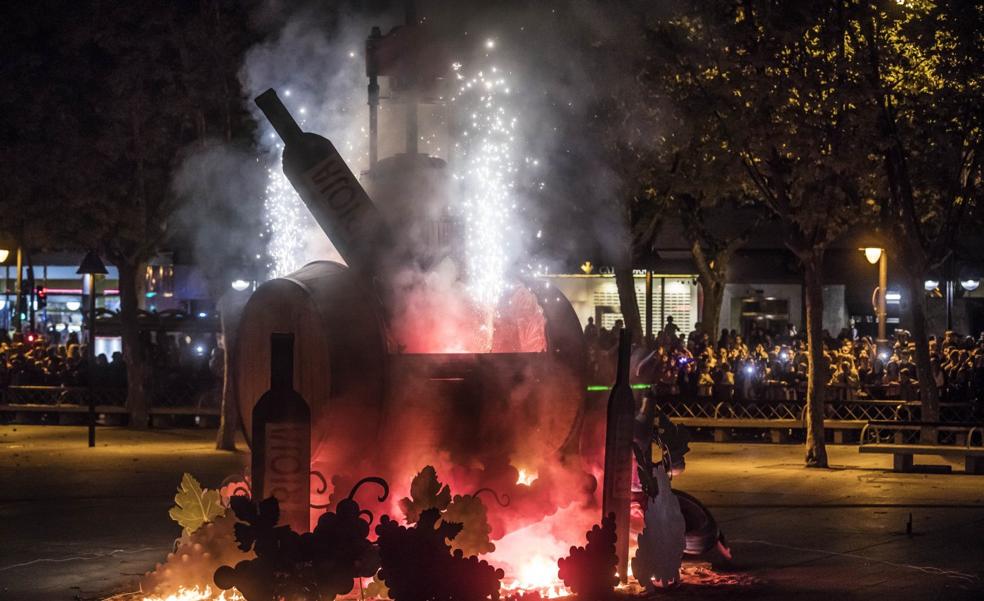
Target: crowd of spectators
point(186, 370)
point(773, 366)
point(32, 361)
point(177, 363)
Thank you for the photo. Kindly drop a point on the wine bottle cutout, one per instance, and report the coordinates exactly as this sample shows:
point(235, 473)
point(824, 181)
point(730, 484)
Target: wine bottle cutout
point(282, 440)
point(329, 189)
point(617, 490)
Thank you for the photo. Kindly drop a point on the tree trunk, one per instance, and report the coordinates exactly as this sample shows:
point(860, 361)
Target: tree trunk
point(137, 400)
point(627, 300)
point(928, 395)
point(713, 298)
point(712, 273)
point(231, 306)
point(816, 387)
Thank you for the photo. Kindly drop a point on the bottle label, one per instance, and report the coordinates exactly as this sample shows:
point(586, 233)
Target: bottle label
point(341, 207)
point(618, 458)
point(287, 472)
point(623, 446)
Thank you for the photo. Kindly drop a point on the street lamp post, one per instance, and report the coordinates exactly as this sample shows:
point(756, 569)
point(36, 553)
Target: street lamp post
point(948, 290)
point(4, 254)
point(19, 289)
point(883, 287)
point(878, 255)
point(92, 266)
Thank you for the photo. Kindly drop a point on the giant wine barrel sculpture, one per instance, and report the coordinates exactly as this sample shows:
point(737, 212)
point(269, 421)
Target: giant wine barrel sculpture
point(372, 406)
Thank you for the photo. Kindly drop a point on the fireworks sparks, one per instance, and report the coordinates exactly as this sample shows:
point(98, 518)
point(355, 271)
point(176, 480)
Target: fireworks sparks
point(292, 236)
point(286, 217)
point(487, 175)
point(487, 161)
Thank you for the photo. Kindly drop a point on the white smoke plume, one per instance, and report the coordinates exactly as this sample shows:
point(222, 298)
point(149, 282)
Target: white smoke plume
point(565, 194)
point(318, 70)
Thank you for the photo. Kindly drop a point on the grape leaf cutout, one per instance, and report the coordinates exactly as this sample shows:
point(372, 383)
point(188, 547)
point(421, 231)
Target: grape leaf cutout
point(426, 492)
point(662, 541)
point(195, 506)
point(377, 589)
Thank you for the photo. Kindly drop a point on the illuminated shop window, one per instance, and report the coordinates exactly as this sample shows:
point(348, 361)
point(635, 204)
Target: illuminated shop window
point(679, 300)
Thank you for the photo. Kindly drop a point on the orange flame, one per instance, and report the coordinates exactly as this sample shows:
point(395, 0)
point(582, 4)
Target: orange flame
point(198, 594)
point(529, 555)
point(538, 574)
point(526, 477)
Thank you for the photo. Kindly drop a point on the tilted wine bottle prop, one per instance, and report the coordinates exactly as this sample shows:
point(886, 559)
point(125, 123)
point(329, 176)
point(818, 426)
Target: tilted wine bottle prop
point(330, 190)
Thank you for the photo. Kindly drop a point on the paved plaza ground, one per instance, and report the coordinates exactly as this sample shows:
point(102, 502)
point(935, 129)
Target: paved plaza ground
point(79, 523)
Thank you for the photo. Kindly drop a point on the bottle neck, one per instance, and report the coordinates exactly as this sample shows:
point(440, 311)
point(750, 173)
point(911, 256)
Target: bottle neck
point(281, 361)
point(278, 115)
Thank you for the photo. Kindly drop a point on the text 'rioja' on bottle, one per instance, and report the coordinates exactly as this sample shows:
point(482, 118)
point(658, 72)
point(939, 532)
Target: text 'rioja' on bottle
point(282, 440)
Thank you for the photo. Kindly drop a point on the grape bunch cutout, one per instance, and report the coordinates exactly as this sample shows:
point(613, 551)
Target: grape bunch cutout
point(317, 565)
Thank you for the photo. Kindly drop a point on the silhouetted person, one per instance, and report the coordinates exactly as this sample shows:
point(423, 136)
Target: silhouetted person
point(725, 339)
point(117, 370)
point(671, 328)
point(591, 331)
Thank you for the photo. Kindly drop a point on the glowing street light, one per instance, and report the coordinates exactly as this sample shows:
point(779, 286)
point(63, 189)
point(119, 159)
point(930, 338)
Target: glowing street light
point(239, 284)
point(970, 284)
point(931, 285)
point(872, 253)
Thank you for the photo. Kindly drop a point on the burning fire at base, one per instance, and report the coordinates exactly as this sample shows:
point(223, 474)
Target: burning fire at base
point(528, 555)
point(526, 477)
point(198, 594)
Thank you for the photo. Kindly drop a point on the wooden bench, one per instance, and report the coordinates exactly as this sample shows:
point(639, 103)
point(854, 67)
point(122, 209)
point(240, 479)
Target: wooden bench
point(904, 440)
point(65, 413)
point(722, 427)
point(59, 408)
point(840, 427)
point(778, 428)
point(69, 413)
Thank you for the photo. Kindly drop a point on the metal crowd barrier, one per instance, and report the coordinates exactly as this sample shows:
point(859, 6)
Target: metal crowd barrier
point(778, 417)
